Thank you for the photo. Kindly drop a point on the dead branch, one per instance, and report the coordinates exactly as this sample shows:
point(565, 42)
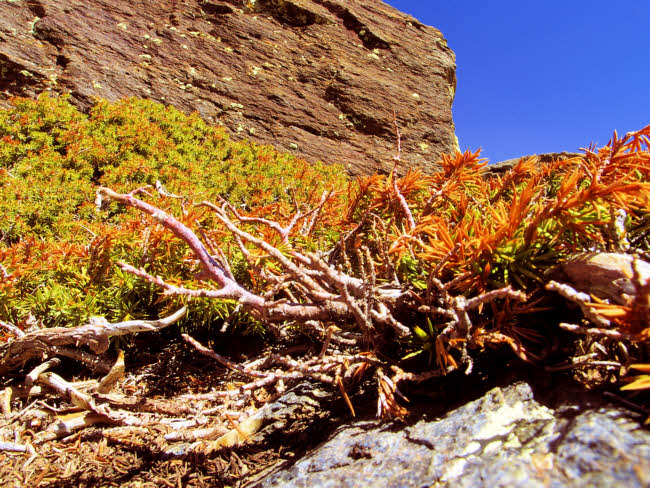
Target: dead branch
point(12, 447)
point(397, 159)
point(22, 391)
point(332, 370)
point(33, 375)
point(330, 294)
point(12, 328)
point(283, 232)
point(76, 397)
point(68, 424)
point(91, 361)
point(114, 375)
point(95, 335)
point(596, 332)
point(196, 434)
point(581, 299)
point(226, 362)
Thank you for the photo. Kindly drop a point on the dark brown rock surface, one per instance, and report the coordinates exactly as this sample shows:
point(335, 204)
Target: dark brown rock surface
point(319, 78)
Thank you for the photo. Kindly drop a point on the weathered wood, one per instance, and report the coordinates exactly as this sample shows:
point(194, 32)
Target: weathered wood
point(95, 335)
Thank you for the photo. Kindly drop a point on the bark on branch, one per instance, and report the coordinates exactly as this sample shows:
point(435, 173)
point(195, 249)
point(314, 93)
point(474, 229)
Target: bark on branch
point(95, 335)
point(329, 294)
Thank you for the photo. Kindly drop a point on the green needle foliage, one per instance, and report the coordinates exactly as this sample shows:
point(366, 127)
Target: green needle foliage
point(457, 238)
point(58, 251)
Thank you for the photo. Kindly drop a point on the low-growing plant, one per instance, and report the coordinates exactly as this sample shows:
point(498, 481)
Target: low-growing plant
point(466, 233)
point(469, 255)
point(384, 267)
point(57, 250)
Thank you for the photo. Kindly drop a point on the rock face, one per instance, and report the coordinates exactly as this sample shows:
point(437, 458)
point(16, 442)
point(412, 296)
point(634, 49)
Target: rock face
point(503, 166)
point(505, 439)
point(319, 78)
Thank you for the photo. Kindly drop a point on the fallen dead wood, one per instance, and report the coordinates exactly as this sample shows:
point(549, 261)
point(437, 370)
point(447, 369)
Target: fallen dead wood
point(68, 424)
point(95, 335)
point(12, 447)
point(114, 375)
point(76, 397)
point(152, 405)
point(23, 391)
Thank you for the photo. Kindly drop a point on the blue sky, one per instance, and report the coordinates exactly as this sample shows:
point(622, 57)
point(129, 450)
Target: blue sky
point(543, 76)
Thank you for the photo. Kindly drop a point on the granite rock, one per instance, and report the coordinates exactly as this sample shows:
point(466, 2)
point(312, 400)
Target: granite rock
point(504, 439)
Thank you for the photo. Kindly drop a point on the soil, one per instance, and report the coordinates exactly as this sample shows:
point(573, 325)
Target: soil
point(158, 372)
point(162, 369)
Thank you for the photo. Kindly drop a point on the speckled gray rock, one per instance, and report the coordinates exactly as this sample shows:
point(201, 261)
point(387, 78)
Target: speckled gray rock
point(505, 438)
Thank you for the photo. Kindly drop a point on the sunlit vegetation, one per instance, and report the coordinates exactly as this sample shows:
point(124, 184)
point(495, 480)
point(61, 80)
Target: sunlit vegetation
point(425, 269)
point(57, 250)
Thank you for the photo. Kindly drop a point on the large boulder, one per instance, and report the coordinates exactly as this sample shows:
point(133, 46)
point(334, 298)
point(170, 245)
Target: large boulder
point(507, 438)
point(319, 78)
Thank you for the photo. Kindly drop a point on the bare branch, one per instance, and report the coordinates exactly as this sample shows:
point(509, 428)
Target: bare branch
point(316, 277)
point(285, 231)
point(596, 332)
point(316, 290)
point(114, 375)
point(210, 266)
point(403, 204)
point(41, 368)
point(506, 292)
point(309, 224)
point(12, 447)
point(12, 328)
point(78, 398)
point(581, 299)
point(226, 362)
point(92, 362)
point(95, 335)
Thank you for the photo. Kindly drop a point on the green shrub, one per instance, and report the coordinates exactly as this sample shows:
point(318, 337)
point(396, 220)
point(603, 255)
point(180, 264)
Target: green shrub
point(57, 250)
